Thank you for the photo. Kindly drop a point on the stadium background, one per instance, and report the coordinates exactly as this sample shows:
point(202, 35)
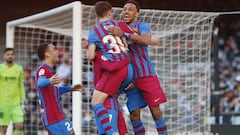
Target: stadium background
point(229, 27)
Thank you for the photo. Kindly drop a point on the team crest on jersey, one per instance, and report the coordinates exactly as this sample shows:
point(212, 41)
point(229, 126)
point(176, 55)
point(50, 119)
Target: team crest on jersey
point(41, 72)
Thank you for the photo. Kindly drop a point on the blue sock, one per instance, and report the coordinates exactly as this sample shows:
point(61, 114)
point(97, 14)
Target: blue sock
point(138, 127)
point(161, 126)
point(102, 118)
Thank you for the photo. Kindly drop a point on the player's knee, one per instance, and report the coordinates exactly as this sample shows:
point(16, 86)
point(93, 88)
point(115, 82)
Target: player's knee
point(135, 115)
point(19, 126)
point(156, 112)
point(3, 130)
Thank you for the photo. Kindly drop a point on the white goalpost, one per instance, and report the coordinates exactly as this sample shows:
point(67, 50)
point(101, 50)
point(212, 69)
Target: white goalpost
point(182, 62)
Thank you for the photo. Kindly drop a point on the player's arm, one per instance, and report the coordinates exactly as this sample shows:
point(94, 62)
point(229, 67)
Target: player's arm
point(143, 39)
point(43, 81)
point(63, 89)
point(21, 86)
point(91, 48)
point(91, 52)
point(84, 43)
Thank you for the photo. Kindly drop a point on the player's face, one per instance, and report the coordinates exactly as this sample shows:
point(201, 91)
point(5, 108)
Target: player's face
point(53, 54)
point(9, 56)
point(129, 13)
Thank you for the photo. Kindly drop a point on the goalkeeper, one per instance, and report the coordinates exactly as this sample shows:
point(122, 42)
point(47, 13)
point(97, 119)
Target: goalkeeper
point(11, 93)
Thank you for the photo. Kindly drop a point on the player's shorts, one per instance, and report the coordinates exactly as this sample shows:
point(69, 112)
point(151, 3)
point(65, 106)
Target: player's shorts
point(151, 90)
point(110, 81)
point(63, 127)
point(109, 65)
point(128, 80)
point(10, 112)
point(135, 100)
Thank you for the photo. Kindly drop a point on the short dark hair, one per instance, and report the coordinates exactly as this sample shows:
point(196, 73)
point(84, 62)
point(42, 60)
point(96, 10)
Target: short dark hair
point(101, 8)
point(42, 48)
point(8, 49)
point(135, 3)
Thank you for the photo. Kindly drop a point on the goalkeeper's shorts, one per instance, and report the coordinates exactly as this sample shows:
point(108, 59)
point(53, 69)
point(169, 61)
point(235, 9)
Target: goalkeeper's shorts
point(9, 113)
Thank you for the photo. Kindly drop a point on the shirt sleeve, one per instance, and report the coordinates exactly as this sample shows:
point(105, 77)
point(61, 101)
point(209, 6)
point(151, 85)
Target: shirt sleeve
point(63, 89)
point(144, 27)
point(92, 37)
point(43, 82)
point(125, 28)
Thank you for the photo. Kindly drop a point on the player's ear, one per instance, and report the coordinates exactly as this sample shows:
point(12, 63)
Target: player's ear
point(136, 14)
point(47, 53)
point(109, 13)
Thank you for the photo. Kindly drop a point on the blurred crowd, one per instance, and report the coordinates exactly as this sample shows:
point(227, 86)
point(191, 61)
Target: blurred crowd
point(225, 84)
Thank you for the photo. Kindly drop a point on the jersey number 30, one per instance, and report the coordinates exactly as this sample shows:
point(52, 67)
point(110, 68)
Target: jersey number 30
point(115, 43)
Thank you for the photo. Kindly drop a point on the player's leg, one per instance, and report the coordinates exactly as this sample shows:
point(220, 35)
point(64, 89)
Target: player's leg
point(111, 106)
point(17, 118)
point(4, 119)
point(159, 120)
point(153, 94)
point(3, 130)
point(100, 112)
point(134, 103)
point(122, 127)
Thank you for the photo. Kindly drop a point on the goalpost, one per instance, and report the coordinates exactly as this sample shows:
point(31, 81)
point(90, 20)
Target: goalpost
point(182, 62)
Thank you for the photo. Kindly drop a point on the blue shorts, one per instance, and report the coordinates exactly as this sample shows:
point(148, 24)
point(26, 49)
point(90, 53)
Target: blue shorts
point(134, 96)
point(135, 99)
point(63, 127)
point(128, 80)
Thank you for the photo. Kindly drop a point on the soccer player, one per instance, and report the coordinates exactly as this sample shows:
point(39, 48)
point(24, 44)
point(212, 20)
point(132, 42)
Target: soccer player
point(145, 77)
point(12, 93)
point(111, 104)
point(49, 93)
point(113, 59)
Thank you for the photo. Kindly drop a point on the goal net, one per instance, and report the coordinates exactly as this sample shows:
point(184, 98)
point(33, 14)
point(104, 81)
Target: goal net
point(182, 62)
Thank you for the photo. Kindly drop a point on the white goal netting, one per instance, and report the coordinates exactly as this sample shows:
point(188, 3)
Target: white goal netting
point(182, 62)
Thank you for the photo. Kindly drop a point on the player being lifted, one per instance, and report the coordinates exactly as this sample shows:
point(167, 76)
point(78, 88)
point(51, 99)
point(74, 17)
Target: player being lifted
point(112, 57)
point(49, 92)
point(145, 77)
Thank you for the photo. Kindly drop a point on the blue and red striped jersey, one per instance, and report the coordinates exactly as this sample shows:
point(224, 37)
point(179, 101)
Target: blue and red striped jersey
point(140, 59)
point(113, 48)
point(49, 95)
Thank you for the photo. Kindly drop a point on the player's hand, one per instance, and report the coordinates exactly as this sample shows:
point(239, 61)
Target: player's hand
point(77, 87)
point(84, 43)
point(115, 31)
point(55, 79)
point(129, 86)
point(155, 40)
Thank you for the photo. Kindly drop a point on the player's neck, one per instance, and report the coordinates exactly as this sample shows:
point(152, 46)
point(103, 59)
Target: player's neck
point(9, 64)
point(133, 22)
point(49, 63)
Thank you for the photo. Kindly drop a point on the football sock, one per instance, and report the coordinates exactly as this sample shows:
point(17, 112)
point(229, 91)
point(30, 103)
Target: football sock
point(161, 126)
point(102, 118)
point(138, 127)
